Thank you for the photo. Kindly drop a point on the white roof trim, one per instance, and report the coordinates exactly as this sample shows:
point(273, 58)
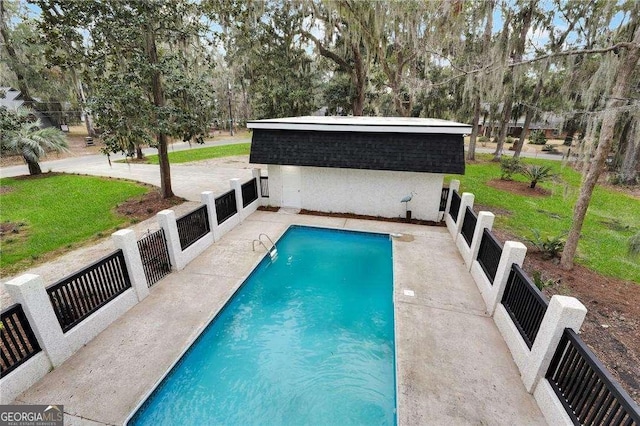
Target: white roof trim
point(363, 124)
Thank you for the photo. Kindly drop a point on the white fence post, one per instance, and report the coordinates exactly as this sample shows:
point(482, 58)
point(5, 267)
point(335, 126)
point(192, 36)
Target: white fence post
point(29, 291)
point(257, 173)
point(167, 221)
point(454, 184)
point(236, 185)
point(125, 239)
point(563, 312)
point(512, 252)
point(485, 221)
point(209, 199)
point(466, 200)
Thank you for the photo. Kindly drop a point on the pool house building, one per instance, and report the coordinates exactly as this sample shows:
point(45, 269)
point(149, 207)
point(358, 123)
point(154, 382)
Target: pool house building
point(358, 165)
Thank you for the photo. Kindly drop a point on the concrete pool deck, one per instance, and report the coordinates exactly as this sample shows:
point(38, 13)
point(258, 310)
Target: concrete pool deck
point(453, 367)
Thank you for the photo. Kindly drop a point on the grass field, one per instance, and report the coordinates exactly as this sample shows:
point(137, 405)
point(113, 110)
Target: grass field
point(198, 154)
point(55, 212)
point(612, 217)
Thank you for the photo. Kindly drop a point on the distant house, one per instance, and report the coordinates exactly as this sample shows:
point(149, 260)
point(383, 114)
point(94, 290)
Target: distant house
point(12, 99)
point(552, 129)
point(548, 123)
point(360, 165)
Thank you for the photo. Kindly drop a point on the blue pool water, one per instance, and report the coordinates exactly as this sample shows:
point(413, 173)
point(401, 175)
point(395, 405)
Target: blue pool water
point(308, 339)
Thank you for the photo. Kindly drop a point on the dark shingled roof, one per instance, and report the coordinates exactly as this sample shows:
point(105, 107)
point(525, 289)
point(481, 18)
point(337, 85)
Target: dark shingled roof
point(407, 152)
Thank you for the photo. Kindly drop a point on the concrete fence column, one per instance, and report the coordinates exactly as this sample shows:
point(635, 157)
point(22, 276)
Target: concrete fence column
point(29, 291)
point(257, 173)
point(454, 184)
point(563, 312)
point(208, 198)
point(236, 185)
point(125, 240)
point(485, 220)
point(466, 200)
point(167, 221)
point(512, 252)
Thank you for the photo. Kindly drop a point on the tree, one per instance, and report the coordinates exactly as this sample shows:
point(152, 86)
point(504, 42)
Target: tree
point(140, 55)
point(285, 82)
point(42, 85)
point(571, 13)
point(475, 81)
point(343, 44)
point(522, 23)
point(14, 61)
point(23, 136)
point(619, 94)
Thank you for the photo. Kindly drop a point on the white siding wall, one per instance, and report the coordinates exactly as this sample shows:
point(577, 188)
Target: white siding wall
point(367, 192)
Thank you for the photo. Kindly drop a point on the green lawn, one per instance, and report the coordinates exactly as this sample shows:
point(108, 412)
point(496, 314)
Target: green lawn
point(55, 212)
point(198, 154)
point(612, 217)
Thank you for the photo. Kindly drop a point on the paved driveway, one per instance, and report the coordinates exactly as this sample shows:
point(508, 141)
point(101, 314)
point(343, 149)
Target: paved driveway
point(188, 180)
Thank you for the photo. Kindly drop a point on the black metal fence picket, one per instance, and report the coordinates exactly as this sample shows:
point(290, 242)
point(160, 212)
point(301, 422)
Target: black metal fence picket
point(226, 206)
point(155, 256)
point(77, 296)
point(17, 341)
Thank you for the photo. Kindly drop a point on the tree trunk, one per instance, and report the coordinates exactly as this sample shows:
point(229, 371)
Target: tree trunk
point(139, 154)
point(88, 121)
point(629, 167)
point(158, 101)
point(504, 124)
point(471, 154)
point(358, 78)
point(526, 16)
point(34, 167)
point(529, 116)
point(618, 98)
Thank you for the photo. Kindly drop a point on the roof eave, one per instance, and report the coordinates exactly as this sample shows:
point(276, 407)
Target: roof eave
point(371, 128)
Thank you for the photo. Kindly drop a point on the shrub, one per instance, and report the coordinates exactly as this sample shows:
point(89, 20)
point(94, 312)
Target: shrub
point(483, 139)
point(540, 281)
point(509, 166)
point(549, 148)
point(549, 246)
point(537, 138)
point(537, 174)
point(509, 140)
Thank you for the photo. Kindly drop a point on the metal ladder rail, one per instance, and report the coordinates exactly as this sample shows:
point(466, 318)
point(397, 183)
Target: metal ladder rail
point(273, 251)
point(273, 245)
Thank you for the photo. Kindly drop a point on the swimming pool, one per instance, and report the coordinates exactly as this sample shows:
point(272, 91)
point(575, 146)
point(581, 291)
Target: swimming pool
point(307, 339)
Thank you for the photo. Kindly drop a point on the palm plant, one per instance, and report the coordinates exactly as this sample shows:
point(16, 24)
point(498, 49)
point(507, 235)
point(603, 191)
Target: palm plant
point(537, 174)
point(32, 142)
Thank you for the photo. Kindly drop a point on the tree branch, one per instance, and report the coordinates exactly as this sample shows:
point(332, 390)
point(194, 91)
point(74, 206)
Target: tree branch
point(326, 52)
point(621, 45)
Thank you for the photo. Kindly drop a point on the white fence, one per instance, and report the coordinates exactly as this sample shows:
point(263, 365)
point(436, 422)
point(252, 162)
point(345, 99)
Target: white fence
point(30, 291)
point(562, 312)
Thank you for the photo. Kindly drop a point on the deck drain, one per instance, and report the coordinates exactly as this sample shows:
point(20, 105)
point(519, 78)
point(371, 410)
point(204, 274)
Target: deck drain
point(410, 293)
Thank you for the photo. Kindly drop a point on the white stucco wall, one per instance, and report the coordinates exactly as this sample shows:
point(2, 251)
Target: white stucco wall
point(275, 186)
point(23, 377)
point(366, 192)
